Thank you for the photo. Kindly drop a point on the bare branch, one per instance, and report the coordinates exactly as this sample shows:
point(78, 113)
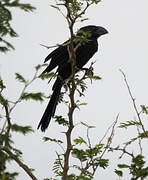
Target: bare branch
point(134, 103)
point(109, 141)
point(111, 126)
point(139, 139)
point(48, 47)
point(123, 150)
point(8, 122)
point(57, 45)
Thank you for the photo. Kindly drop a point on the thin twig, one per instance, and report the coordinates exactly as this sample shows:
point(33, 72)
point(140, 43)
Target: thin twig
point(134, 104)
point(109, 141)
point(123, 150)
point(112, 125)
point(8, 123)
point(23, 90)
point(3, 128)
point(59, 160)
point(91, 162)
point(88, 138)
point(91, 155)
point(60, 4)
point(57, 45)
point(48, 47)
point(61, 146)
point(139, 140)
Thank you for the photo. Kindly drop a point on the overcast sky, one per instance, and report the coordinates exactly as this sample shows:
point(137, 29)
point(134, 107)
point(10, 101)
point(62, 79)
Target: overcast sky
point(125, 47)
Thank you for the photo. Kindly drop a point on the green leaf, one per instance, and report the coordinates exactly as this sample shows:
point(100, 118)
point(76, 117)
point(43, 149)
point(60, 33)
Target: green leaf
point(132, 140)
point(20, 78)
point(47, 75)
point(144, 109)
point(2, 86)
point(33, 96)
point(79, 140)
point(23, 6)
point(118, 172)
point(39, 66)
point(56, 7)
point(82, 104)
point(123, 166)
point(80, 93)
point(57, 166)
point(52, 140)
point(7, 46)
point(101, 162)
point(5, 19)
point(18, 152)
point(21, 129)
point(72, 177)
point(143, 135)
point(82, 87)
point(4, 49)
point(137, 168)
point(3, 101)
point(9, 176)
point(80, 154)
point(84, 19)
point(61, 120)
point(129, 123)
point(138, 161)
point(96, 1)
point(97, 149)
point(86, 125)
point(94, 77)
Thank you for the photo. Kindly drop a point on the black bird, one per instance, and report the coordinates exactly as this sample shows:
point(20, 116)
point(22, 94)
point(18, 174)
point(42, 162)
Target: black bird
point(60, 59)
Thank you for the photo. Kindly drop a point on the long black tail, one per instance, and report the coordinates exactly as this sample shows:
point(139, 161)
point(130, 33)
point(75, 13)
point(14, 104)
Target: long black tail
point(51, 107)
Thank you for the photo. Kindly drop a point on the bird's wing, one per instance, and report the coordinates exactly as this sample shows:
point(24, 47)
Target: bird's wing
point(85, 52)
point(58, 56)
point(55, 53)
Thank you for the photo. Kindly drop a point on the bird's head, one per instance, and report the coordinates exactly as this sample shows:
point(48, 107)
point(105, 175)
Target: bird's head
point(93, 31)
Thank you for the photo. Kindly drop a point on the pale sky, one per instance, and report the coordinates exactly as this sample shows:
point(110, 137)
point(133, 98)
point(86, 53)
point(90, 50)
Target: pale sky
point(125, 47)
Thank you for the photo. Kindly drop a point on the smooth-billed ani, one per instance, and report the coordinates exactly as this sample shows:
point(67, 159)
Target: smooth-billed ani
point(84, 50)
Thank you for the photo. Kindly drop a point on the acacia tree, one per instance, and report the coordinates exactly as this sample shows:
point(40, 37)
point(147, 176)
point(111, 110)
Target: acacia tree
point(75, 10)
point(90, 157)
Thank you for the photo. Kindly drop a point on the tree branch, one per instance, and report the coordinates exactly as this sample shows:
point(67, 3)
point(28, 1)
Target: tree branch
point(14, 157)
point(109, 141)
point(72, 89)
point(123, 150)
point(23, 90)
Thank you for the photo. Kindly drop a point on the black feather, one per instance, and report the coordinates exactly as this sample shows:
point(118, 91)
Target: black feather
point(50, 109)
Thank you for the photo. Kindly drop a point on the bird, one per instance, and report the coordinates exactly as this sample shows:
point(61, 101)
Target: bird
point(59, 58)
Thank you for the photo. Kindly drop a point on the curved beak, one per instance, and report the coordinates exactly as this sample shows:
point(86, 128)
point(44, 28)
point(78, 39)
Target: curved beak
point(101, 31)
